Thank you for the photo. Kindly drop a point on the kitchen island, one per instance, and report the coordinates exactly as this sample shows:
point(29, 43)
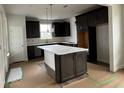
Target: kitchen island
point(64, 62)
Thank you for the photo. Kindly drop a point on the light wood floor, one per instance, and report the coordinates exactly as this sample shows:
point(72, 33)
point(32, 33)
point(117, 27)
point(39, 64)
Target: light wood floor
point(35, 76)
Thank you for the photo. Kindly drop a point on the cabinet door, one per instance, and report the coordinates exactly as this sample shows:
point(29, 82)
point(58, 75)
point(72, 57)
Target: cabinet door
point(91, 18)
point(32, 29)
point(28, 29)
point(36, 29)
point(58, 28)
point(31, 52)
point(61, 29)
point(84, 20)
point(67, 27)
point(67, 67)
point(80, 63)
point(79, 27)
point(81, 22)
point(102, 15)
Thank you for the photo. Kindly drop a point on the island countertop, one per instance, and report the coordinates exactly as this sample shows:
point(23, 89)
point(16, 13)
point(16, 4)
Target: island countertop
point(61, 50)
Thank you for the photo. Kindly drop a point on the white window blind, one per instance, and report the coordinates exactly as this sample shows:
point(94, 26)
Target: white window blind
point(46, 31)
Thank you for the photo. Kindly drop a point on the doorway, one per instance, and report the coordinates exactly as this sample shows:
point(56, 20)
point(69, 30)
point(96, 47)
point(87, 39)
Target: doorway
point(17, 48)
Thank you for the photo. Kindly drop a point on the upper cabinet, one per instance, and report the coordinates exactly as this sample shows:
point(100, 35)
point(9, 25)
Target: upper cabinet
point(33, 29)
point(61, 29)
point(92, 18)
point(81, 22)
point(102, 15)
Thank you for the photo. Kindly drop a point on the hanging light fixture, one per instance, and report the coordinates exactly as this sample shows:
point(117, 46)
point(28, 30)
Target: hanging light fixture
point(47, 16)
point(47, 19)
point(51, 10)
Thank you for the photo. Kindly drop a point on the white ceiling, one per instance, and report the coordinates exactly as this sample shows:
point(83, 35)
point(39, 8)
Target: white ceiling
point(39, 10)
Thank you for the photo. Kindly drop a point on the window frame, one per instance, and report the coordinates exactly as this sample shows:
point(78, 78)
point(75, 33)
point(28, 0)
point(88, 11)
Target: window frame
point(43, 32)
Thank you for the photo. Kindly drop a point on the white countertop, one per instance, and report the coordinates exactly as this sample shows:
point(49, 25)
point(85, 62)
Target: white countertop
point(61, 50)
point(43, 43)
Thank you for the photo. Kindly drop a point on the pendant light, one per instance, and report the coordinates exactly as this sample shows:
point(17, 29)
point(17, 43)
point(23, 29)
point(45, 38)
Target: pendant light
point(51, 10)
point(47, 19)
point(47, 15)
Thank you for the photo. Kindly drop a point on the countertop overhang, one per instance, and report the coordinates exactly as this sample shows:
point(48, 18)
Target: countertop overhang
point(61, 49)
point(49, 43)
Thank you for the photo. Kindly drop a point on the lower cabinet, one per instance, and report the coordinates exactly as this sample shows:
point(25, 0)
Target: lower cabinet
point(70, 66)
point(31, 52)
point(34, 52)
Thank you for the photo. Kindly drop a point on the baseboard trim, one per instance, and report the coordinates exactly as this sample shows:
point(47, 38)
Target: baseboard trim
point(17, 61)
point(103, 61)
point(120, 67)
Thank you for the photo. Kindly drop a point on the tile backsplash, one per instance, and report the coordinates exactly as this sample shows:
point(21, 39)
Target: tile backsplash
point(33, 41)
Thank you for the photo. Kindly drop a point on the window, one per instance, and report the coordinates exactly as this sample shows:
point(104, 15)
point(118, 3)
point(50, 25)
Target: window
point(46, 31)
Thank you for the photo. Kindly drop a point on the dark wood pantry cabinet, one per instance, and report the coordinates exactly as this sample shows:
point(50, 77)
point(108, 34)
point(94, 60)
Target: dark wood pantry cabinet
point(87, 22)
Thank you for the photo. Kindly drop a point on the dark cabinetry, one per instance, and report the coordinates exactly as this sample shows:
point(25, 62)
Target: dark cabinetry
point(34, 52)
point(80, 64)
point(81, 22)
point(67, 28)
point(89, 21)
point(102, 15)
point(67, 67)
point(70, 66)
point(61, 29)
point(92, 57)
point(92, 18)
point(31, 52)
point(32, 29)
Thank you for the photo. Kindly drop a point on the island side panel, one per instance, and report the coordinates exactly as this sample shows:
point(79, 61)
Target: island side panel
point(67, 66)
point(50, 59)
point(58, 68)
